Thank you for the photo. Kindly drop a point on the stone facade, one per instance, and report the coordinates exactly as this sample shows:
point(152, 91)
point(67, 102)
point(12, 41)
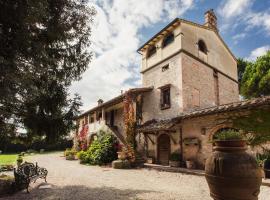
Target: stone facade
point(199, 71)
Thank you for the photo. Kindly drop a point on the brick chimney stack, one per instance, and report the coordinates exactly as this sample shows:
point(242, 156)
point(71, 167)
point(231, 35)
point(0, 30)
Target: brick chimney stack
point(100, 101)
point(210, 19)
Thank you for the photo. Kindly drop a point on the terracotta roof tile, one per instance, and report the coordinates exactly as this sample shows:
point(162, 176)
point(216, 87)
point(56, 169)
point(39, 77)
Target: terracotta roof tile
point(154, 125)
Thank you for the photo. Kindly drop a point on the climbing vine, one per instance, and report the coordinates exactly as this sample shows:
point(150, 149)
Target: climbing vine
point(130, 123)
point(82, 137)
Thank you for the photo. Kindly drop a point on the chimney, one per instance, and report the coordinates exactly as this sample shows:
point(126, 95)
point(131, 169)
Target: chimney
point(100, 101)
point(210, 19)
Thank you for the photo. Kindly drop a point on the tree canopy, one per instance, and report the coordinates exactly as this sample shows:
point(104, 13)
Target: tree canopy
point(256, 78)
point(44, 47)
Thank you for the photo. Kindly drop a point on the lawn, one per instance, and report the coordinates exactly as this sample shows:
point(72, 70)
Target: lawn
point(6, 159)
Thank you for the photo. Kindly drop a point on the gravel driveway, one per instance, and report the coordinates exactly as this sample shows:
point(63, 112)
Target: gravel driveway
point(70, 180)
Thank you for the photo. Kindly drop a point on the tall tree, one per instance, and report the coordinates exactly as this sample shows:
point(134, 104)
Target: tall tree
point(256, 78)
point(48, 49)
point(241, 66)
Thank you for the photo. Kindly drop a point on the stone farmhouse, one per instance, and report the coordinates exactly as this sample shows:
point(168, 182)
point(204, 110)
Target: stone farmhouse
point(189, 83)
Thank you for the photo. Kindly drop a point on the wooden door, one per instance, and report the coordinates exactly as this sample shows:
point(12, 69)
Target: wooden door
point(164, 149)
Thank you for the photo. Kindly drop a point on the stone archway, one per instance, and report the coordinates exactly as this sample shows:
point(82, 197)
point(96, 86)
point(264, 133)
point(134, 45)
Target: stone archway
point(164, 149)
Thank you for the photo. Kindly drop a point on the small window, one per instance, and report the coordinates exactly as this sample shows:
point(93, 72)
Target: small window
point(151, 51)
point(99, 115)
point(202, 47)
point(92, 119)
point(164, 68)
point(168, 40)
point(85, 119)
point(165, 99)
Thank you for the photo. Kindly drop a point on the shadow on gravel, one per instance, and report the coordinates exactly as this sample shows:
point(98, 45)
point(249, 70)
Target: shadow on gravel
point(76, 192)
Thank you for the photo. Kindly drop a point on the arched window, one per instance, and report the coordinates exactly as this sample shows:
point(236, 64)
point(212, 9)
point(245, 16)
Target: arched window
point(168, 39)
point(151, 51)
point(202, 46)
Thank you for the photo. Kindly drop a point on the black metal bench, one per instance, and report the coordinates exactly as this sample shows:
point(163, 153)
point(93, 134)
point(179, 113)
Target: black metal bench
point(27, 173)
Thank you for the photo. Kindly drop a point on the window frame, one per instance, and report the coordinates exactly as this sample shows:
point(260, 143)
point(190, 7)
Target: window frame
point(165, 105)
point(150, 49)
point(165, 68)
point(202, 46)
point(167, 41)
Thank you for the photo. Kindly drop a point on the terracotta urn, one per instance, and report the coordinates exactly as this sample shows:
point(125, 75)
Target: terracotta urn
point(231, 173)
point(121, 155)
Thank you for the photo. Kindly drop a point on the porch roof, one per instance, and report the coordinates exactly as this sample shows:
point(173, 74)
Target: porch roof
point(155, 125)
point(117, 99)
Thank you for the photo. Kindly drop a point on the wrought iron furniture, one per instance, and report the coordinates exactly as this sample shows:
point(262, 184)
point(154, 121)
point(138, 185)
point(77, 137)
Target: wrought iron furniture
point(27, 173)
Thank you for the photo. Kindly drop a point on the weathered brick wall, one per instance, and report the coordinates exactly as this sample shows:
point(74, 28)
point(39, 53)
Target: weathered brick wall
point(228, 90)
point(198, 84)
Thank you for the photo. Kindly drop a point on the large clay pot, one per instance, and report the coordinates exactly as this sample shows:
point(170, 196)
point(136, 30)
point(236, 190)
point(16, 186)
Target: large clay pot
point(231, 173)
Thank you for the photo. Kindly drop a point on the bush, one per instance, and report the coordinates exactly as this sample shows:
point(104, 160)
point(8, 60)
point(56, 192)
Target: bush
point(101, 151)
point(82, 156)
point(229, 134)
point(70, 154)
point(175, 156)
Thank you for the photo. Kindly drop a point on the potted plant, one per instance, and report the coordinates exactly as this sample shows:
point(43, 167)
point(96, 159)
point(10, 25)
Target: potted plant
point(70, 154)
point(190, 164)
point(266, 163)
point(175, 160)
point(230, 165)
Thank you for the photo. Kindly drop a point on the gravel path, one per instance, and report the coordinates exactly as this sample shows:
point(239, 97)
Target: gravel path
point(70, 180)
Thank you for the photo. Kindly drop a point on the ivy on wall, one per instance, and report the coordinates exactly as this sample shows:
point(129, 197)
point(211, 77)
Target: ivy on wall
point(129, 125)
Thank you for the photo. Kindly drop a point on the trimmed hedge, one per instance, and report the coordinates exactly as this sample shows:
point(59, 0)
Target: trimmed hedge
point(60, 145)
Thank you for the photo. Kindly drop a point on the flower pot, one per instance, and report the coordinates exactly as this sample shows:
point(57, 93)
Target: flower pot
point(174, 163)
point(190, 164)
point(121, 155)
point(231, 173)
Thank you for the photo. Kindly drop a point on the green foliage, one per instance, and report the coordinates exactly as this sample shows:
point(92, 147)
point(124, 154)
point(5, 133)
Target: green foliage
point(229, 134)
point(256, 125)
point(44, 47)
point(263, 159)
point(6, 159)
point(241, 66)
point(256, 78)
point(70, 152)
point(82, 156)
point(175, 156)
point(101, 151)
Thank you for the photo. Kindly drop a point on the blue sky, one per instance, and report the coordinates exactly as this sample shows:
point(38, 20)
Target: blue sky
point(121, 26)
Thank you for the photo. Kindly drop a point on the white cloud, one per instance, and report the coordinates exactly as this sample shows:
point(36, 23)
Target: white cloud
point(234, 13)
point(258, 52)
point(233, 8)
point(115, 36)
point(236, 38)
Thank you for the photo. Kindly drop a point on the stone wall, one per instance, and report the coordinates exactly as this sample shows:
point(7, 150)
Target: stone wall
point(157, 78)
point(217, 54)
point(198, 84)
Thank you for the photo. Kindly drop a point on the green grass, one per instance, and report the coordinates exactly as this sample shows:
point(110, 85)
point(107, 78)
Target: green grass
point(7, 159)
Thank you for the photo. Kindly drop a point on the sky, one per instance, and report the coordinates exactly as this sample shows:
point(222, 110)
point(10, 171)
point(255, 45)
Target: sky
point(121, 26)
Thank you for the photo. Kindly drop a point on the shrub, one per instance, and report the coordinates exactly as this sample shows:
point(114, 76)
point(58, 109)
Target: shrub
point(70, 154)
point(229, 134)
point(101, 151)
point(175, 156)
point(82, 156)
